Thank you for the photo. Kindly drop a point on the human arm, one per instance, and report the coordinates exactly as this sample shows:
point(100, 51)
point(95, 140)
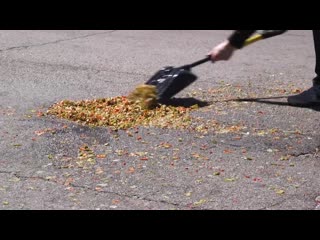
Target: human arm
point(225, 50)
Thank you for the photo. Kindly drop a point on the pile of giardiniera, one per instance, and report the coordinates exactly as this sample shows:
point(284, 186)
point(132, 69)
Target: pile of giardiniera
point(140, 108)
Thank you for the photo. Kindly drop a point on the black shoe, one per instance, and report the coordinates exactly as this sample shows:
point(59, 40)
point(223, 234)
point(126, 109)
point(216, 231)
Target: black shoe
point(310, 97)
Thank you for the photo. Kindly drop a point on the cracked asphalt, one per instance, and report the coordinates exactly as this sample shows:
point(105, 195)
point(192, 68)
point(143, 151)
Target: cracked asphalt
point(250, 150)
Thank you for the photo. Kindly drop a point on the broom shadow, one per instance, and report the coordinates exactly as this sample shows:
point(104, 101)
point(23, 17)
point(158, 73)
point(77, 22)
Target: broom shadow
point(188, 102)
point(185, 102)
point(269, 100)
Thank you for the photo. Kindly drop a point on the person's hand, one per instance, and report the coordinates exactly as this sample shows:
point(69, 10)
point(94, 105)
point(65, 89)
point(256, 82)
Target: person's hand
point(222, 51)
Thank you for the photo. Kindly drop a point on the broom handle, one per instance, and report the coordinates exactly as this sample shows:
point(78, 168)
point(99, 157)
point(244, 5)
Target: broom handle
point(207, 59)
point(257, 37)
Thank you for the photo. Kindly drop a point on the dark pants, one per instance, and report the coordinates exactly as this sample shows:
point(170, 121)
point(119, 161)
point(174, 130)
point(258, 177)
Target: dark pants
point(316, 37)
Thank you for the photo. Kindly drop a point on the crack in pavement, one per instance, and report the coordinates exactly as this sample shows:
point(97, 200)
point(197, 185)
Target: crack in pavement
point(53, 42)
point(301, 154)
point(7, 172)
point(281, 201)
point(315, 152)
point(88, 188)
point(16, 174)
point(129, 196)
point(274, 204)
point(76, 68)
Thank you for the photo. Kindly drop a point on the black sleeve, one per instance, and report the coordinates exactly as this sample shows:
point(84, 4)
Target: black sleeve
point(238, 37)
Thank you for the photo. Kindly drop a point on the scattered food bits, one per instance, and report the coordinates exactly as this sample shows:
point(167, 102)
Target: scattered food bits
point(121, 113)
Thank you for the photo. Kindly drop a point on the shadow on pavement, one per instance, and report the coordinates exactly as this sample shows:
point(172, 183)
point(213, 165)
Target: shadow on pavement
point(185, 102)
point(269, 100)
point(188, 102)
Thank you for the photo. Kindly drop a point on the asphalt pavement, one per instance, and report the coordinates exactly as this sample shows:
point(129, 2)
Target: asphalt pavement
point(247, 150)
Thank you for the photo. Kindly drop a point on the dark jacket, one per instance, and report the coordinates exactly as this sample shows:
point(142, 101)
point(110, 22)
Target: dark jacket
point(238, 37)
